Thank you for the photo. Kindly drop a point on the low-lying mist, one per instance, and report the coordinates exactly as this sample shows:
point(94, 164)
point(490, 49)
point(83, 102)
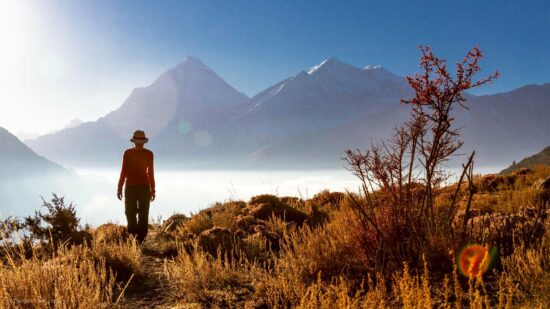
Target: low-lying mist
point(94, 190)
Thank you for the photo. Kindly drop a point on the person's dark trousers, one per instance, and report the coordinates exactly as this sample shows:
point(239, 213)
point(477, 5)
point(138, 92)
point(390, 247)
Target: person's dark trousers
point(136, 201)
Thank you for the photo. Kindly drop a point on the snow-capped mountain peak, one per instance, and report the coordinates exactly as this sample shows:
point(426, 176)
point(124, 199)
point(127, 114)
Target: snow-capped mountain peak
point(372, 67)
point(334, 91)
point(328, 64)
point(316, 67)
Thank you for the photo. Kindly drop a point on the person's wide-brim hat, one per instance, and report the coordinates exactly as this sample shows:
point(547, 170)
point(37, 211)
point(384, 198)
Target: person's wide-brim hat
point(139, 137)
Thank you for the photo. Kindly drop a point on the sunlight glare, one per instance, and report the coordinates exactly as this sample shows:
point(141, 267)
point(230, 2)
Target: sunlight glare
point(12, 37)
point(51, 66)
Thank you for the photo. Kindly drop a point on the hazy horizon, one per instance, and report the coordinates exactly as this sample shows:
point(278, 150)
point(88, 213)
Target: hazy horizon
point(178, 191)
point(94, 192)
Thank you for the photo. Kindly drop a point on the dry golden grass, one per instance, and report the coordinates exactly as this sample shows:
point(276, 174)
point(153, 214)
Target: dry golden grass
point(110, 232)
point(327, 251)
point(412, 291)
point(122, 257)
point(199, 277)
point(511, 197)
point(529, 269)
point(227, 257)
point(198, 223)
point(68, 280)
point(321, 267)
point(77, 277)
point(219, 214)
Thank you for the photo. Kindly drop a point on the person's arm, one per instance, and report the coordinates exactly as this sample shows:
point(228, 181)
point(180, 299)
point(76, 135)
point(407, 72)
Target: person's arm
point(122, 178)
point(151, 174)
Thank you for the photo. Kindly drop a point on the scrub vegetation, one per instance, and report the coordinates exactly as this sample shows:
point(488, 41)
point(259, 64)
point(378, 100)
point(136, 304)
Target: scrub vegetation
point(275, 252)
point(405, 240)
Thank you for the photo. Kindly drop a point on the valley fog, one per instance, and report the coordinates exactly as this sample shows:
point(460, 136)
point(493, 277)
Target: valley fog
point(93, 191)
point(191, 191)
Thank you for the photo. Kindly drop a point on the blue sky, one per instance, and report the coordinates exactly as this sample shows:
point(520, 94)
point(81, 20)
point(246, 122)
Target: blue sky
point(84, 57)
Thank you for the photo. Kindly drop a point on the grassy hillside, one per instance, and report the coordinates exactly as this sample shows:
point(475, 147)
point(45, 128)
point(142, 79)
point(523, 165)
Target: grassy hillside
point(285, 252)
point(541, 158)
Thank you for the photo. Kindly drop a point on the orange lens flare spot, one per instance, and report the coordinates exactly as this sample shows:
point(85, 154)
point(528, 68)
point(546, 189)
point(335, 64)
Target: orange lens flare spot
point(474, 260)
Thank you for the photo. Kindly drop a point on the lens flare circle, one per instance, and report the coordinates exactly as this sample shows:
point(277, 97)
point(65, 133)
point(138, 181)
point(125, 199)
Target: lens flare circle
point(474, 260)
point(184, 127)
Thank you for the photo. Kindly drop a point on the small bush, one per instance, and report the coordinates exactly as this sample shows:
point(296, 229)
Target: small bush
point(9, 227)
point(57, 224)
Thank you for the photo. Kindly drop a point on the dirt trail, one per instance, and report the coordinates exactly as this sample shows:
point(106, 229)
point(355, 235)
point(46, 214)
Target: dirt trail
point(150, 288)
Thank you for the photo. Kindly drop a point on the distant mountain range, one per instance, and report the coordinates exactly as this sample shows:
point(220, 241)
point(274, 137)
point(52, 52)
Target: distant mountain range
point(187, 104)
point(17, 159)
point(33, 135)
point(25, 175)
point(542, 157)
point(197, 120)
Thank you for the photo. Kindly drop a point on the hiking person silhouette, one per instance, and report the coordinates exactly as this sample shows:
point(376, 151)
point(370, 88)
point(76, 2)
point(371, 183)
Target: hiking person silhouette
point(138, 174)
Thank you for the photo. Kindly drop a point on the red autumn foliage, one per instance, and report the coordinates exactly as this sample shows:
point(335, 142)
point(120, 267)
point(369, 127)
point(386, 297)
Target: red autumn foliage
point(399, 175)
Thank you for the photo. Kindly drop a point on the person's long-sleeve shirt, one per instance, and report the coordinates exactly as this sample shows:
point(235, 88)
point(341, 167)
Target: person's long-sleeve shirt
point(137, 168)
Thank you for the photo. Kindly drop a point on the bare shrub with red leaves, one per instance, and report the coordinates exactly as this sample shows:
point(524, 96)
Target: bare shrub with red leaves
point(399, 175)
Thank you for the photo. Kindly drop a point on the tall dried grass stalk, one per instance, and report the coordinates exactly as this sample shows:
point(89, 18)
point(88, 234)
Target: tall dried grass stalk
point(68, 280)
